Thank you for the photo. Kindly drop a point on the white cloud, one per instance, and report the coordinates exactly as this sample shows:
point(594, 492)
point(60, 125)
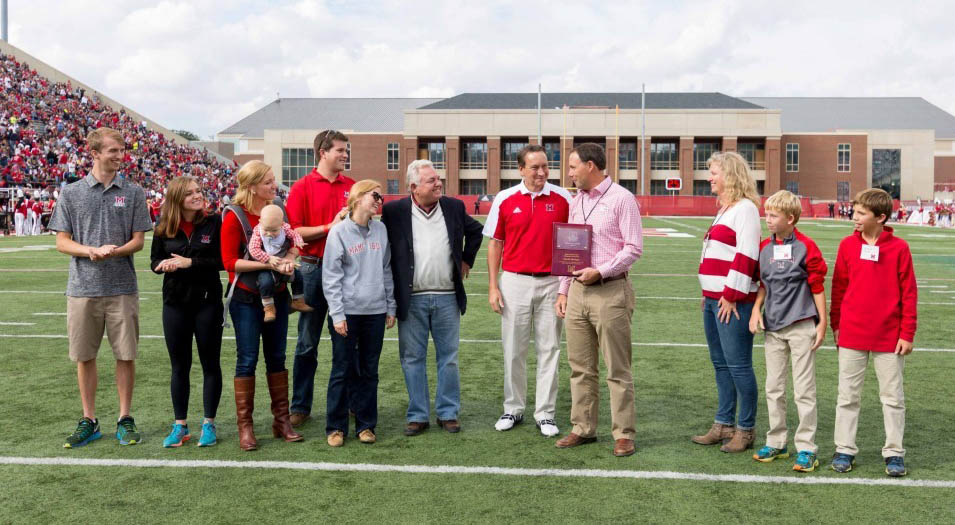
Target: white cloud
point(202, 65)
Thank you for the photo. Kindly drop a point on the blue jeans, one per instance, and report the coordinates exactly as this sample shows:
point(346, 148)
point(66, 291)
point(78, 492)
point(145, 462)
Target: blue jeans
point(353, 380)
point(439, 315)
point(267, 279)
point(309, 333)
point(249, 327)
point(731, 351)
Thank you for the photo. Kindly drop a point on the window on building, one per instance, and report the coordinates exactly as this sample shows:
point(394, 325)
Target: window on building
point(392, 161)
point(555, 182)
point(887, 171)
point(702, 188)
point(473, 187)
point(792, 157)
point(842, 191)
point(629, 184)
point(702, 152)
point(509, 152)
point(433, 151)
point(761, 187)
point(509, 183)
point(754, 153)
point(664, 156)
point(793, 186)
point(552, 149)
point(474, 156)
point(659, 187)
point(628, 155)
point(296, 163)
point(394, 187)
point(348, 150)
point(843, 152)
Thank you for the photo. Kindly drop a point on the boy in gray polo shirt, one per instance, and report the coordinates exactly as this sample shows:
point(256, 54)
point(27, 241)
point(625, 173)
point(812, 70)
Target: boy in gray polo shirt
point(101, 222)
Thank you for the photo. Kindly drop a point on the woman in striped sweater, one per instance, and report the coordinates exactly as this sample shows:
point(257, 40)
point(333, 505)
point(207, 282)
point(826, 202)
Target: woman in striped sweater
point(728, 275)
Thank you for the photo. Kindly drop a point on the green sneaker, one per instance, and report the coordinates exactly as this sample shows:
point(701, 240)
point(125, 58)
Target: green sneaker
point(126, 432)
point(768, 453)
point(805, 461)
point(86, 431)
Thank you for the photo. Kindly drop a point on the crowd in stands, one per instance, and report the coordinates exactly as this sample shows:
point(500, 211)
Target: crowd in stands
point(43, 126)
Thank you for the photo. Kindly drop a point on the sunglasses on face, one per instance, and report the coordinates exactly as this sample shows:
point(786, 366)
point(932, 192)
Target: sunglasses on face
point(377, 196)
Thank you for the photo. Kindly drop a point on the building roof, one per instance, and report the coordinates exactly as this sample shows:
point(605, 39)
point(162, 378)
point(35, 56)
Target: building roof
point(814, 114)
point(352, 114)
point(609, 100)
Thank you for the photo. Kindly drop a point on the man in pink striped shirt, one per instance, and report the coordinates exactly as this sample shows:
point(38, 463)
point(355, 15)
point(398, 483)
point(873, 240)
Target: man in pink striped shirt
point(597, 303)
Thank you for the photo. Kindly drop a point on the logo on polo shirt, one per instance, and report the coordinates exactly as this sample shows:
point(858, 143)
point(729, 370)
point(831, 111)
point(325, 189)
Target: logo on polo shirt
point(205, 239)
point(120, 202)
point(517, 210)
point(549, 207)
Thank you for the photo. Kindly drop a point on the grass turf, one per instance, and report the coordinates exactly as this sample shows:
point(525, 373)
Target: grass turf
point(675, 398)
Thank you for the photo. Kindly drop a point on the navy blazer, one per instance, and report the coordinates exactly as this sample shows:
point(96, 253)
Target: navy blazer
point(464, 234)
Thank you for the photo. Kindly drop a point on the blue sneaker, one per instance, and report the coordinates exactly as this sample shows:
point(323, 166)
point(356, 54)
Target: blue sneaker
point(208, 436)
point(842, 462)
point(86, 432)
point(805, 461)
point(178, 436)
point(126, 431)
point(768, 453)
point(895, 466)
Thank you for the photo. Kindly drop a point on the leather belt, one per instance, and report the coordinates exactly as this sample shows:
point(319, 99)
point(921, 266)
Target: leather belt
point(311, 260)
point(534, 274)
point(598, 282)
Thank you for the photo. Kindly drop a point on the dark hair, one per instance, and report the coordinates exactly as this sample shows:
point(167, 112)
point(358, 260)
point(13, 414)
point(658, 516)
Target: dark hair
point(592, 152)
point(530, 148)
point(325, 140)
point(876, 200)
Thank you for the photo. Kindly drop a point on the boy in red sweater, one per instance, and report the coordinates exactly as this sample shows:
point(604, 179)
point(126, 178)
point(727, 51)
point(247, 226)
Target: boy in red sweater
point(873, 316)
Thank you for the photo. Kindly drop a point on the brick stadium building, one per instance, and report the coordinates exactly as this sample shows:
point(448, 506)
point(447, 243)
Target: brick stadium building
point(823, 148)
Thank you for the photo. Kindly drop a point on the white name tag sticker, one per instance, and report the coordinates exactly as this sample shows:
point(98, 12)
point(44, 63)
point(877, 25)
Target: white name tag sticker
point(870, 252)
point(783, 252)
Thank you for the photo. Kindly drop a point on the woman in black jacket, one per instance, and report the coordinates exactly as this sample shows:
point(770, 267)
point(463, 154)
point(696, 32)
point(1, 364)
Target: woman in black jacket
point(186, 249)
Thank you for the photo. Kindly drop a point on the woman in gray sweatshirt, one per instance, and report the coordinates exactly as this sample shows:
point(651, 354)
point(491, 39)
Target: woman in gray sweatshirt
point(356, 279)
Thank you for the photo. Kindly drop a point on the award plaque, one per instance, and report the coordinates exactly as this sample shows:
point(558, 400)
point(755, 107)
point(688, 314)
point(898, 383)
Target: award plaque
point(572, 247)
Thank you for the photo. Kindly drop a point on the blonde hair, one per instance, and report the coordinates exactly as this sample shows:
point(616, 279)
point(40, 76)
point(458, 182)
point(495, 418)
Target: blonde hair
point(250, 174)
point(95, 138)
point(171, 213)
point(738, 182)
point(876, 200)
point(358, 190)
point(785, 202)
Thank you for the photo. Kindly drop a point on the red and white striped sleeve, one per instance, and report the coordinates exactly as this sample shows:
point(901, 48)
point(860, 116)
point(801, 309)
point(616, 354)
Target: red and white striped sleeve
point(742, 275)
point(255, 246)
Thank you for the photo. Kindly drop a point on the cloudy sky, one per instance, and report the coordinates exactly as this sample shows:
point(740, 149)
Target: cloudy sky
point(202, 65)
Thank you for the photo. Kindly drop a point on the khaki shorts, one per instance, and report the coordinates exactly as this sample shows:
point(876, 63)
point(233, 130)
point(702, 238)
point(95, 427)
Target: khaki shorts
point(88, 317)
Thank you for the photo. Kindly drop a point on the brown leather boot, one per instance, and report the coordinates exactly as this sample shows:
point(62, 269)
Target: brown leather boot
point(742, 440)
point(282, 424)
point(299, 305)
point(269, 312)
point(244, 402)
point(718, 433)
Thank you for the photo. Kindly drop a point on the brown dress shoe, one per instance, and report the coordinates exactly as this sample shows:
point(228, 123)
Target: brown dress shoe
point(623, 447)
point(298, 304)
point(416, 427)
point(718, 433)
point(451, 425)
point(269, 313)
point(742, 440)
point(574, 440)
point(336, 438)
point(366, 436)
point(298, 419)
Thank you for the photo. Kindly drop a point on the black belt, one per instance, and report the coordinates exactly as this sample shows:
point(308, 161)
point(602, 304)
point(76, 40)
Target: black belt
point(604, 280)
point(534, 274)
point(311, 260)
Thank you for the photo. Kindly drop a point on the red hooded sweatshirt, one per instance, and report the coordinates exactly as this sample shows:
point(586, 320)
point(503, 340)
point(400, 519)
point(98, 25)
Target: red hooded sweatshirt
point(874, 303)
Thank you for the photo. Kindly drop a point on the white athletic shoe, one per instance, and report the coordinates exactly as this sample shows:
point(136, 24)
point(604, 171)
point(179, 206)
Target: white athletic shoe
point(507, 422)
point(548, 427)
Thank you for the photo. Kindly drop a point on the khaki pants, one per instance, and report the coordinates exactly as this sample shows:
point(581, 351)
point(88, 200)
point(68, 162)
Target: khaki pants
point(794, 340)
point(598, 319)
point(529, 305)
point(888, 369)
point(88, 317)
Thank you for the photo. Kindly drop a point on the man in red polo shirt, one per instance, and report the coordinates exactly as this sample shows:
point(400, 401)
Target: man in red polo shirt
point(316, 202)
point(520, 226)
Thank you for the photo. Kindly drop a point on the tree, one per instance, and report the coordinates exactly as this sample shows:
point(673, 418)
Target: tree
point(188, 135)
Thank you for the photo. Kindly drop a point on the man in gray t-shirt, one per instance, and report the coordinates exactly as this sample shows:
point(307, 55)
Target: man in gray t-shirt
point(101, 221)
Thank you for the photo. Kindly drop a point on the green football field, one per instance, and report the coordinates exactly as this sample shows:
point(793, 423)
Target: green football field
point(478, 475)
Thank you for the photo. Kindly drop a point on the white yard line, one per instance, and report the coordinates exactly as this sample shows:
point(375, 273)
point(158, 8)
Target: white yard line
point(463, 470)
point(14, 323)
point(680, 224)
point(655, 344)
